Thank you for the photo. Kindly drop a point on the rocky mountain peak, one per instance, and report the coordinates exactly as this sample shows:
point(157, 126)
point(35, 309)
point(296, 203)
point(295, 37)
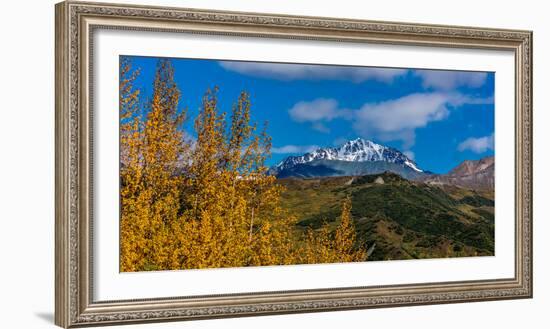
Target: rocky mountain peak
point(356, 150)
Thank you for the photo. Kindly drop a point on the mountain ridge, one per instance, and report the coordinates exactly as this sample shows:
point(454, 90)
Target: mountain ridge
point(475, 174)
point(360, 157)
point(337, 168)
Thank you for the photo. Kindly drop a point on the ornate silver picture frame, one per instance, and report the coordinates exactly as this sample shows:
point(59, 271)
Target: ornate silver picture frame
point(76, 22)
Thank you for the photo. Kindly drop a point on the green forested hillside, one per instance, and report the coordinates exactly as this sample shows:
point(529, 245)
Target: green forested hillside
point(402, 219)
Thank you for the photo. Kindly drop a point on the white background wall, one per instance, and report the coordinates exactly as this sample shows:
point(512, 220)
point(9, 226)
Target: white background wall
point(27, 163)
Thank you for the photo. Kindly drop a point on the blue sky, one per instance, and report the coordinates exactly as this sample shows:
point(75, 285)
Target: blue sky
point(438, 118)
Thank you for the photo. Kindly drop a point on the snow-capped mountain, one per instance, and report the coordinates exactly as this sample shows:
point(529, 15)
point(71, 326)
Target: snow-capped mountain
point(357, 150)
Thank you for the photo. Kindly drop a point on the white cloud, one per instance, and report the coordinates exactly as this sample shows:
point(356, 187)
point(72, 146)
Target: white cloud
point(289, 71)
point(408, 112)
point(448, 80)
point(392, 120)
point(445, 80)
point(189, 138)
point(320, 127)
point(409, 154)
point(320, 109)
point(478, 145)
point(294, 149)
point(399, 118)
point(318, 112)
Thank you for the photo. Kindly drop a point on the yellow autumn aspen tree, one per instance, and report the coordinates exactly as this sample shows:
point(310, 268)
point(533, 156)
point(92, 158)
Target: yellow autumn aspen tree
point(162, 156)
point(149, 184)
point(232, 204)
point(339, 246)
point(345, 237)
point(270, 234)
point(201, 193)
point(318, 246)
point(132, 219)
point(207, 202)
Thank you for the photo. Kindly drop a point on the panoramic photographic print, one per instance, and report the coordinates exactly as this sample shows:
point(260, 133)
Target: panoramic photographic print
point(234, 164)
